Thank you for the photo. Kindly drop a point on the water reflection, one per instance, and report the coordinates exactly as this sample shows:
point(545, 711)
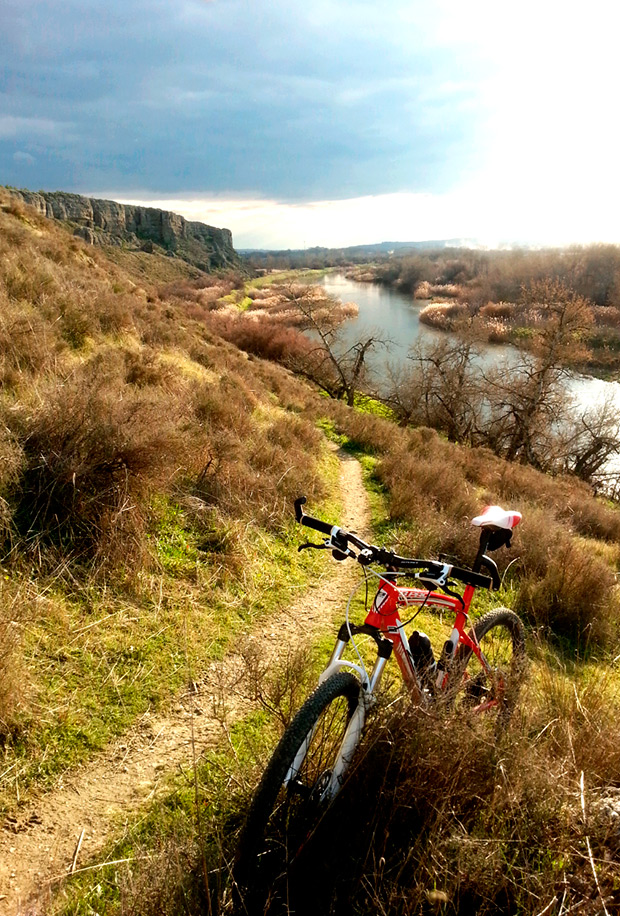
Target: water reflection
point(396, 316)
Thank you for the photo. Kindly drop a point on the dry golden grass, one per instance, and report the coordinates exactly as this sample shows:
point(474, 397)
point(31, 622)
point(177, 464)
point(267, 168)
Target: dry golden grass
point(436, 814)
point(443, 315)
point(565, 553)
point(118, 404)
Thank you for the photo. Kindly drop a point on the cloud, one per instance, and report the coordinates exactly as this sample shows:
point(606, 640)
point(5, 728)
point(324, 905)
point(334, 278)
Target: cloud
point(323, 99)
point(492, 219)
point(22, 157)
point(12, 126)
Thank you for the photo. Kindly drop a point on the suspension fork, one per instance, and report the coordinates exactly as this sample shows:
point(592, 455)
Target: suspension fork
point(336, 662)
point(366, 697)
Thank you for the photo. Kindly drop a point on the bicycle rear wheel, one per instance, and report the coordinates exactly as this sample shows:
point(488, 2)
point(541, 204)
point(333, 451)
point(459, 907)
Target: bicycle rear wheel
point(300, 782)
point(493, 683)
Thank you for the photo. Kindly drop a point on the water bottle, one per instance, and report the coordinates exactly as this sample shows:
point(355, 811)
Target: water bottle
point(447, 654)
point(423, 658)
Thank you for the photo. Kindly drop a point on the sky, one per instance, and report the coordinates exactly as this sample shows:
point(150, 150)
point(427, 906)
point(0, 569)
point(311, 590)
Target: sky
point(327, 122)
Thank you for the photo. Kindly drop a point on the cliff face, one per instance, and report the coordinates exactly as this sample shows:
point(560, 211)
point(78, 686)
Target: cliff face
point(105, 222)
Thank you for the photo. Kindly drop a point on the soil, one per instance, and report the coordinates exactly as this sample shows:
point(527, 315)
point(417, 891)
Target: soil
point(65, 828)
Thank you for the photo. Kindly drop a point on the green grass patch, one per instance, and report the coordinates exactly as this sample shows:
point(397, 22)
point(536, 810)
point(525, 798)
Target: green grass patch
point(97, 659)
point(328, 426)
point(365, 404)
point(286, 276)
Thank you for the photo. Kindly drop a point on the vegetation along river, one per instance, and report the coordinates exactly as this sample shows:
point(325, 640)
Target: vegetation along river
point(395, 315)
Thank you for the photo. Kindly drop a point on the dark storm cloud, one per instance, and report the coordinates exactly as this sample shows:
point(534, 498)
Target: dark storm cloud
point(331, 99)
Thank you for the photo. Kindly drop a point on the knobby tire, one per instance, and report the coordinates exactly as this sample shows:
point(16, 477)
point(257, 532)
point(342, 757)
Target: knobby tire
point(281, 819)
point(501, 637)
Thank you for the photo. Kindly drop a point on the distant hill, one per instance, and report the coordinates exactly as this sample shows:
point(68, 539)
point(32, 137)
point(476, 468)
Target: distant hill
point(367, 250)
point(319, 257)
point(108, 223)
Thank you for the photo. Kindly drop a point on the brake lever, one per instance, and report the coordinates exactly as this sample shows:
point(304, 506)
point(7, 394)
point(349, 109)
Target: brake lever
point(314, 546)
point(336, 553)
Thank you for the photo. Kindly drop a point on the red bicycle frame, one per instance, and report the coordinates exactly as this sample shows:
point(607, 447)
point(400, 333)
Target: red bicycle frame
point(384, 617)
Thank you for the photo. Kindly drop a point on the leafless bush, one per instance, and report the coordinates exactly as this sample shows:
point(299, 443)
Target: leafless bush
point(145, 367)
point(415, 480)
point(266, 338)
point(113, 312)
point(443, 315)
point(497, 310)
point(589, 441)
point(92, 453)
point(27, 343)
point(204, 287)
point(564, 587)
point(607, 316)
point(423, 290)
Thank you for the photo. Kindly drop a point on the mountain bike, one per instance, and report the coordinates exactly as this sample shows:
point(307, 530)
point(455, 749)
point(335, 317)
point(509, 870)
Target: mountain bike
point(479, 670)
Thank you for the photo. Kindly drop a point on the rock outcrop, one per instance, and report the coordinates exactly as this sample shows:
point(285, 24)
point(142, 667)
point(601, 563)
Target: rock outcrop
point(106, 222)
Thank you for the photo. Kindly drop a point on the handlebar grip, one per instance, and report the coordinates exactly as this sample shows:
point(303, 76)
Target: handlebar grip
point(308, 521)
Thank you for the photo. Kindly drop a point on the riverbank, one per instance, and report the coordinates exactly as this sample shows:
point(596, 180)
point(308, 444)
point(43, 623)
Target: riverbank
point(402, 318)
point(501, 303)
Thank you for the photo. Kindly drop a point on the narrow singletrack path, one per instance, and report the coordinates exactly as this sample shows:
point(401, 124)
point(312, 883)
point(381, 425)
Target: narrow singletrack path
point(38, 847)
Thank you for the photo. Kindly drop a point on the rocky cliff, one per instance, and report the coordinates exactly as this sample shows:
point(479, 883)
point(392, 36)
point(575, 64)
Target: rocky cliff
point(105, 222)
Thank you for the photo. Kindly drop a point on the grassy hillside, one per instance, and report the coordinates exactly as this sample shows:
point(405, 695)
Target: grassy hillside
point(147, 477)
point(148, 470)
point(437, 817)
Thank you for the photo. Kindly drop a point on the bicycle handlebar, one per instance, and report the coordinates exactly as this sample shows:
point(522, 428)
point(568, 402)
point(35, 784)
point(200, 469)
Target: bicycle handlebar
point(308, 521)
point(432, 570)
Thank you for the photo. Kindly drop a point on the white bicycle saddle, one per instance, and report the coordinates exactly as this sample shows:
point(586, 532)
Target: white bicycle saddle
point(496, 517)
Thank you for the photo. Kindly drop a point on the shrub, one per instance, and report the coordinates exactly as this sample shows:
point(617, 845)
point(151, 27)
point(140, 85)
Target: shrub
point(27, 343)
point(27, 278)
point(265, 338)
point(365, 431)
point(442, 315)
point(497, 310)
point(457, 824)
point(565, 588)
point(93, 450)
point(113, 313)
point(145, 367)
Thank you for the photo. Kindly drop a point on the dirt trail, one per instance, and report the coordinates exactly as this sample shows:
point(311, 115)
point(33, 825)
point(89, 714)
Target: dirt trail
point(37, 849)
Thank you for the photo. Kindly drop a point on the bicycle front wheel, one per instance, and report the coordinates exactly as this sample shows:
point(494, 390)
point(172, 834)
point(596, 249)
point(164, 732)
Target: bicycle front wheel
point(492, 682)
point(300, 782)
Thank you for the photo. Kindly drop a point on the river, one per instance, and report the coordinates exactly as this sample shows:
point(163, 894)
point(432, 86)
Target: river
point(395, 315)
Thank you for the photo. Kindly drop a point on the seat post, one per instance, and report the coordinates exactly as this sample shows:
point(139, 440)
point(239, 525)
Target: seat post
point(485, 534)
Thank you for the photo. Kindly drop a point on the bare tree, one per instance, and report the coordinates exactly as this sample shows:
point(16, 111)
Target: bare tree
point(338, 368)
point(522, 409)
point(528, 402)
point(452, 387)
point(589, 443)
point(402, 392)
